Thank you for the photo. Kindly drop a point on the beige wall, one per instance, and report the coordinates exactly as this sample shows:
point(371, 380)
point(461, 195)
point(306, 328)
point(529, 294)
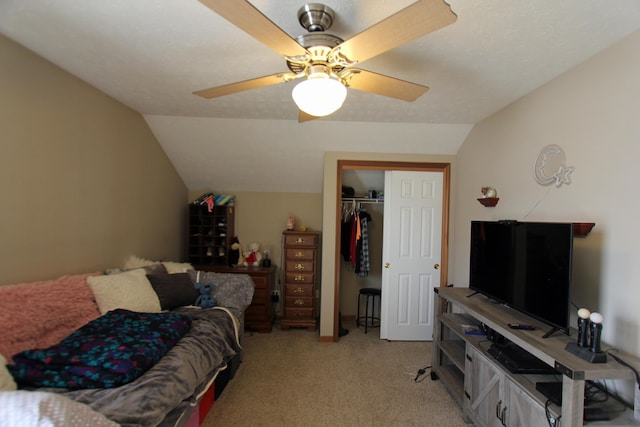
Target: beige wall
point(262, 217)
point(592, 113)
point(83, 181)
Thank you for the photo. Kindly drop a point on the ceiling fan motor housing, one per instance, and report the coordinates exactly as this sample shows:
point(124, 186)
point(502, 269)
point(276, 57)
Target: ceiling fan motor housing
point(315, 17)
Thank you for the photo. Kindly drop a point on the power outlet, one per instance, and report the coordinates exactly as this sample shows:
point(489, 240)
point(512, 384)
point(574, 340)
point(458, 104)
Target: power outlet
point(275, 296)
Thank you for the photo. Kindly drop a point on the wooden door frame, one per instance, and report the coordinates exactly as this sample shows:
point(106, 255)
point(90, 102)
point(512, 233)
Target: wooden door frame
point(343, 165)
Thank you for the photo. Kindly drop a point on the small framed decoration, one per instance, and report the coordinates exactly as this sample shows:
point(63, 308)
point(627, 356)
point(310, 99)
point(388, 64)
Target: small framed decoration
point(550, 167)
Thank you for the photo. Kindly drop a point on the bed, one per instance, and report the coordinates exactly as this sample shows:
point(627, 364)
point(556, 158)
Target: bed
point(165, 394)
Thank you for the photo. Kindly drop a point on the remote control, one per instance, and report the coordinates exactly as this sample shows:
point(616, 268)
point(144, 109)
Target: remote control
point(521, 326)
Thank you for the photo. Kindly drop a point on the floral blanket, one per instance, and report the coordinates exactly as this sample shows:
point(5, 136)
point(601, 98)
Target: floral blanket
point(107, 352)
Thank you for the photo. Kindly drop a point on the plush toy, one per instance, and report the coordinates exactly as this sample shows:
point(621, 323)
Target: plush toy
point(235, 253)
point(205, 299)
point(253, 256)
point(210, 204)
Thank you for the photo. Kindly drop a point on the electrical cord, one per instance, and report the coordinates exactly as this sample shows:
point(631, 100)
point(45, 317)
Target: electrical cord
point(421, 375)
point(553, 422)
point(595, 393)
point(623, 363)
point(593, 388)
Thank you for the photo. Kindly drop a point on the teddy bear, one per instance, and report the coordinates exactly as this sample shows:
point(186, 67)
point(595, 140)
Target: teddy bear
point(253, 256)
point(205, 299)
point(235, 253)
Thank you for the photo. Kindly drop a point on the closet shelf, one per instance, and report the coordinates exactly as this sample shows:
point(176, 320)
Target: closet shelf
point(362, 200)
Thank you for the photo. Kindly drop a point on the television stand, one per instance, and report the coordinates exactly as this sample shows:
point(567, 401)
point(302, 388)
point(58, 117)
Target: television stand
point(485, 389)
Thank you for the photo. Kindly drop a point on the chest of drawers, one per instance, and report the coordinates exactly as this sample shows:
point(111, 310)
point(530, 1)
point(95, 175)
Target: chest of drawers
point(260, 314)
point(301, 279)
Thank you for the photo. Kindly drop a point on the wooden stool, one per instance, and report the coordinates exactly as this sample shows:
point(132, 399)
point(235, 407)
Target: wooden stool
point(366, 320)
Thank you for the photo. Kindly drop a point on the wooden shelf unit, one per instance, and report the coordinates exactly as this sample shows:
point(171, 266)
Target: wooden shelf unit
point(209, 234)
point(463, 365)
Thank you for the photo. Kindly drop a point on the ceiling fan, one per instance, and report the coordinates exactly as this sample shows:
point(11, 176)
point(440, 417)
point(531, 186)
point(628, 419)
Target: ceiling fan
point(326, 62)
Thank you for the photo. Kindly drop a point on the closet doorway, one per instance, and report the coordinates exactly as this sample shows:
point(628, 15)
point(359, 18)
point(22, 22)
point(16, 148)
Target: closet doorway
point(362, 166)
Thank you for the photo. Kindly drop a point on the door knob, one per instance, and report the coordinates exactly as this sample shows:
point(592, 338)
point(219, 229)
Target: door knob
point(436, 266)
point(387, 265)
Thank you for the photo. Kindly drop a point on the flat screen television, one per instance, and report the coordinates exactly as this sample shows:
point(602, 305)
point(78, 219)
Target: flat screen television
point(525, 265)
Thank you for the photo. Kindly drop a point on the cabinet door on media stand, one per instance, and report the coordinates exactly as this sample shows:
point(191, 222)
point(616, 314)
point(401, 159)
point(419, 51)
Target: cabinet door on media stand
point(523, 409)
point(494, 400)
point(483, 391)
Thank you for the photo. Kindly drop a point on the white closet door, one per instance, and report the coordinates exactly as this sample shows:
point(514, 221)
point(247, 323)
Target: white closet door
point(411, 253)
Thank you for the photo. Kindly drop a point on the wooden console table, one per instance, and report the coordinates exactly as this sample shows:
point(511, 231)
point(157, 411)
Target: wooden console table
point(490, 394)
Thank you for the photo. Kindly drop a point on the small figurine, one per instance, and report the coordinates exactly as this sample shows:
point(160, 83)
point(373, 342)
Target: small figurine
point(235, 253)
point(489, 192)
point(291, 222)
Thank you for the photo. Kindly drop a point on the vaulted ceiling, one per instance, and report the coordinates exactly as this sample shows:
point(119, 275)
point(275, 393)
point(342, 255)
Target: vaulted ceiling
point(152, 54)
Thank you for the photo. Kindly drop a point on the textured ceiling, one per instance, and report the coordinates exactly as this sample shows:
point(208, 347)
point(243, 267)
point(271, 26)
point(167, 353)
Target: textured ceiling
point(152, 54)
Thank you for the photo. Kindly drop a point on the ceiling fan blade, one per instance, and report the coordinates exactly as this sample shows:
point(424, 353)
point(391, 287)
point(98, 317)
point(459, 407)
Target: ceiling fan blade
point(245, 16)
point(304, 117)
point(273, 79)
point(380, 84)
point(416, 20)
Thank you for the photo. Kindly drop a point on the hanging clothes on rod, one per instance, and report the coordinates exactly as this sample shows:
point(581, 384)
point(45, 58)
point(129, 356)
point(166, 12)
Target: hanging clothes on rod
point(362, 268)
point(355, 237)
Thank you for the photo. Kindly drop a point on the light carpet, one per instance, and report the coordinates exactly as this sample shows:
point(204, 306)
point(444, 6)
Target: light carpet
point(289, 378)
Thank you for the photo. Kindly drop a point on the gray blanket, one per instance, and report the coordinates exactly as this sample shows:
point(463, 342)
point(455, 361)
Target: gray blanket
point(177, 379)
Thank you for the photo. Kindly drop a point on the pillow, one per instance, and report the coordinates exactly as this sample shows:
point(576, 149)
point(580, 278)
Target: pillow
point(134, 262)
point(174, 290)
point(6, 380)
point(39, 408)
point(230, 290)
point(177, 267)
point(129, 290)
point(151, 268)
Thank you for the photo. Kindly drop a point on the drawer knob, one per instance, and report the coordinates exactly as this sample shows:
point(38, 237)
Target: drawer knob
point(299, 254)
point(299, 278)
point(300, 240)
point(298, 291)
point(299, 267)
point(298, 302)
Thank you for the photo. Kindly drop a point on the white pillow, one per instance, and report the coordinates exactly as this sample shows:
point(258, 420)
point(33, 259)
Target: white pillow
point(177, 267)
point(136, 262)
point(172, 267)
point(6, 380)
point(130, 290)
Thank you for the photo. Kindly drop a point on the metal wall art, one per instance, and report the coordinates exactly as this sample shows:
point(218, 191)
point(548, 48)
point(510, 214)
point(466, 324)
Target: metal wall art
point(550, 167)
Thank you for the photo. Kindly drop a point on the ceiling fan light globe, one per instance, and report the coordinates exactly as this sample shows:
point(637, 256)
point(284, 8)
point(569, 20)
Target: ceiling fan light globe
point(319, 96)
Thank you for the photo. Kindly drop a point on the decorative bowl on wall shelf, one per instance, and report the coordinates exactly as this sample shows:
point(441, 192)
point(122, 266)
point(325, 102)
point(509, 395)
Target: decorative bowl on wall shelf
point(582, 228)
point(489, 202)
